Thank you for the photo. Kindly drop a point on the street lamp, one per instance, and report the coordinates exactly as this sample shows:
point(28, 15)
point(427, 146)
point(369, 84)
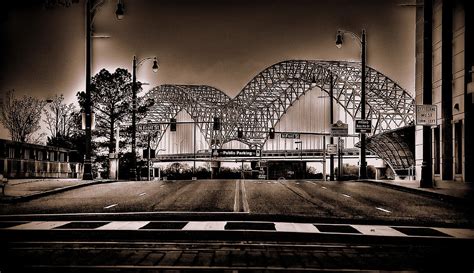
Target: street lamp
point(361, 39)
point(136, 64)
point(119, 12)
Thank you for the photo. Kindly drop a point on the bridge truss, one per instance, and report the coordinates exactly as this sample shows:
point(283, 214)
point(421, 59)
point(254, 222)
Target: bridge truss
point(267, 97)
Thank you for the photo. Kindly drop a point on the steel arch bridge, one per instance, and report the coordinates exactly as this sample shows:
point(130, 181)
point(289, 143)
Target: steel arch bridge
point(268, 96)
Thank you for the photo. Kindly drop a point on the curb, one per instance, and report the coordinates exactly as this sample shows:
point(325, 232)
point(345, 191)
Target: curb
point(13, 199)
point(437, 195)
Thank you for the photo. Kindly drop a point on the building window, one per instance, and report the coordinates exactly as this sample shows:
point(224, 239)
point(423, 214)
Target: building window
point(437, 152)
point(458, 147)
point(11, 152)
point(26, 154)
point(40, 155)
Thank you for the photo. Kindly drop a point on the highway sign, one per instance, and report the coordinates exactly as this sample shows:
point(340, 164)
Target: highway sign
point(339, 129)
point(290, 135)
point(363, 126)
point(426, 115)
point(331, 149)
point(235, 153)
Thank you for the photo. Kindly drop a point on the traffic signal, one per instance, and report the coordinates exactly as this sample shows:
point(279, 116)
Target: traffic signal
point(173, 124)
point(272, 133)
point(240, 132)
point(217, 124)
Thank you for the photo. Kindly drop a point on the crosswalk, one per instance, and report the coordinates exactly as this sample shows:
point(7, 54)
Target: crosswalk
point(283, 227)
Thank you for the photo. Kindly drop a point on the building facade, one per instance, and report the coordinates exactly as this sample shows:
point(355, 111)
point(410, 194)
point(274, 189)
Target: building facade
point(444, 70)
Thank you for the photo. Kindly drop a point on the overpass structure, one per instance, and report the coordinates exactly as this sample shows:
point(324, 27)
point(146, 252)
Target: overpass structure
point(263, 102)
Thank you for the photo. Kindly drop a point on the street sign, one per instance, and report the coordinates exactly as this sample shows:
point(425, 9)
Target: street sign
point(339, 129)
point(331, 149)
point(426, 115)
point(149, 127)
point(290, 135)
point(235, 153)
point(363, 126)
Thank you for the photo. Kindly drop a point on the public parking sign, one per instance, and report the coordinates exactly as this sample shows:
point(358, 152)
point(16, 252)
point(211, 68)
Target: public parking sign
point(363, 126)
point(235, 153)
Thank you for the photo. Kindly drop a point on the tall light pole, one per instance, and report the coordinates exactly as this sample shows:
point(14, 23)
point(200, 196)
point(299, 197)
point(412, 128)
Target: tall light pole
point(361, 39)
point(87, 175)
point(136, 64)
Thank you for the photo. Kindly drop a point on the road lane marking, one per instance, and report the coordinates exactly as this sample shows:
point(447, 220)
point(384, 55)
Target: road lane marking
point(324, 188)
point(346, 195)
point(162, 186)
point(124, 225)
point(236, 197)
point(110, 206)
point(382, 209)
point(40, 225)
point(218, 225)
point(141, 194)
point(245, 203)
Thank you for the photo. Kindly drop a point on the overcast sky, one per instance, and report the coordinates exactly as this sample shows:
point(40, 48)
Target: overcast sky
point(222, 43)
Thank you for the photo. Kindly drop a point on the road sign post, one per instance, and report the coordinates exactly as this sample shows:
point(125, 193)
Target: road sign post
point(426, 115)
point(363, 126)
point(339, 129)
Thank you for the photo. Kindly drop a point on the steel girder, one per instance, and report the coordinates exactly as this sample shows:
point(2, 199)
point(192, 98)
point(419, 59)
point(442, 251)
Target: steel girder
point(267, 97)
point(396, 147)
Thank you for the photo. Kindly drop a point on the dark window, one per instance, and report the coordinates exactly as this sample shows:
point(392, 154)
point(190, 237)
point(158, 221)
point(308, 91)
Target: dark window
point(437, 152)
point(458, 147)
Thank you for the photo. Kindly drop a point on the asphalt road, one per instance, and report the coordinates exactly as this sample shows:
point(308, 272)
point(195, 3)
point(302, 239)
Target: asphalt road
point(328, 200)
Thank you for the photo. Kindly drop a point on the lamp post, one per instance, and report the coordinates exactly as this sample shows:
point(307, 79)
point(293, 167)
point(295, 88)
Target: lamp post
point(136, 64)
point(362, 40)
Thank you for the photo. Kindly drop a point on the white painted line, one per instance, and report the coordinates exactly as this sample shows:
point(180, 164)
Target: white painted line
point(39, 225)
point(205, 225)
point(345, 195)
point(141, 194)
point(382, 209)
point(162, 186)
point(236, 197)
point(245, 203)
point(324, 188)
point(296, 227)
point(124, 225)
point(458, 232)
point(378, 230)
point(297, 183)
point(110, 206)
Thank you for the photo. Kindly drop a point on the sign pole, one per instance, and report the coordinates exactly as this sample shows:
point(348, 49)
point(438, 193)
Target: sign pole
point(324, 158)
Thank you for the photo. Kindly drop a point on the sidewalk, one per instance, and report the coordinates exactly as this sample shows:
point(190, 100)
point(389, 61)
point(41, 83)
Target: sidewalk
point(25, 189)
point(449, 190)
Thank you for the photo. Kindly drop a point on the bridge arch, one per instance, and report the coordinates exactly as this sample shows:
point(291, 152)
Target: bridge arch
point(267, 97)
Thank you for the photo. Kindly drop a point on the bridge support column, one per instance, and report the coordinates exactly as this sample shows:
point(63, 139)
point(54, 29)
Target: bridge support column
point(215, 166)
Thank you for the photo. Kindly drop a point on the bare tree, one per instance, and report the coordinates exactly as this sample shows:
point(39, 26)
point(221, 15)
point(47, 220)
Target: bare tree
point(59, 117)
point(21, 116)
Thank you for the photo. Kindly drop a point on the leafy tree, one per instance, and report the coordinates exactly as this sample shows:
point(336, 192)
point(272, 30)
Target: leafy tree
point(111, 98)
point(21, 116)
